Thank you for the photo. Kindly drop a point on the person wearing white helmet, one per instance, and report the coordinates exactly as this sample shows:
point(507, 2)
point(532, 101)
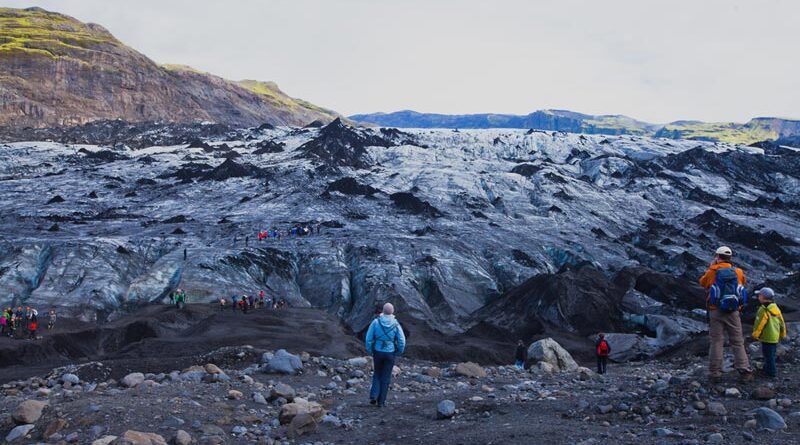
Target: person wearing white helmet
point(727, 296)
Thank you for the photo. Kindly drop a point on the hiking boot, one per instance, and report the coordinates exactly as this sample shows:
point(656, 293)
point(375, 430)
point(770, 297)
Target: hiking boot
point(715, 379)
point(746, 376)
point(372, 401)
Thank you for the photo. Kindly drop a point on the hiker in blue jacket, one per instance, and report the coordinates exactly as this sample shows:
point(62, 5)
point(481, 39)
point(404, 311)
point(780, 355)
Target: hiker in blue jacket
point(385, 340)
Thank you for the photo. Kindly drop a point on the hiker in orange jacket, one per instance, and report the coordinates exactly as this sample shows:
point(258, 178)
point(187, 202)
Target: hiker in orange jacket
point(726, 298)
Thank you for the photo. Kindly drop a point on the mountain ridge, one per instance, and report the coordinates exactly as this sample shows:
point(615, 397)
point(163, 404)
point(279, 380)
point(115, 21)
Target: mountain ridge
point(755, 130)
point(58, 71)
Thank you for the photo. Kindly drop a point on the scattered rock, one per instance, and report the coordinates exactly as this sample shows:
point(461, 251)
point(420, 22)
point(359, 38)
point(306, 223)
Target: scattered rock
point(769, 419)
point(182, 438)
point(732, 392)
point(763, 393)
point(300, 406)
point(471, 370)
point(28, 411)
point(716, 409)
point(213, 369)
point(132, 437)
point(132, 380)
point(302, 424)
point(284, 363)
point(54, 427)
point(105, 440)
point(715, 438)
point(445, 409)
point(18, 432)
point(70, 378)
point(549, 351)
point(235, 395)
point(282, 390)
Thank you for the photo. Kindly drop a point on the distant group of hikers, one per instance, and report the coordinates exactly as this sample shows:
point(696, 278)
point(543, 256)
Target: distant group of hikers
point(294, 231)
point(22, 324)
point(251, 302)
point(242, 303)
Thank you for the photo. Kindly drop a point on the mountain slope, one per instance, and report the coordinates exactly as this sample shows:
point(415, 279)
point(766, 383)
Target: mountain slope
point(56, 71)
point(757, 129)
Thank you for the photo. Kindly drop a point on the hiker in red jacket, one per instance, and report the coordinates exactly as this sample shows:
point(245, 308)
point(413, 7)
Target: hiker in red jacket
point(602, 350)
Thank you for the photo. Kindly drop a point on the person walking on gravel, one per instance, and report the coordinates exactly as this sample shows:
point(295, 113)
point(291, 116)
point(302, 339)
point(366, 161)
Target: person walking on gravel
point(384, 341)
point(51, 319)
point(520, 355)
point(726, 298)
point(602, 350)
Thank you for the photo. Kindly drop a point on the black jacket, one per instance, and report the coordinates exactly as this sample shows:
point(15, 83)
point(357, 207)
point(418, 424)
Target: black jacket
point(521, 353)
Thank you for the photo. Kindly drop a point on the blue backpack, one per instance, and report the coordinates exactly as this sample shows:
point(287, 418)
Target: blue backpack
point(726, 293)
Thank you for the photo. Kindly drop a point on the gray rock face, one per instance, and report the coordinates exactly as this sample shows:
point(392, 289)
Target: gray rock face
point(769, 419)
point(445, 409)
point(549, 351)
point(284, 363)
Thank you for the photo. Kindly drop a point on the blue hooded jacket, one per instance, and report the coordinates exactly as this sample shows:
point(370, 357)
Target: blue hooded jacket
point(385, 335)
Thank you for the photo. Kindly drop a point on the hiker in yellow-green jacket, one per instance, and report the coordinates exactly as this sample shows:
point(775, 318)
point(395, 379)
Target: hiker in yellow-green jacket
point(769, 328)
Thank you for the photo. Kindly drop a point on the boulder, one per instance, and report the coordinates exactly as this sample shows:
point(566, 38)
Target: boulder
point(763, 393)
point(284, 363)
point(132, 437)
point(18, 432)
point(358, 361)
point(182, 438)
point(282, 390)
point(55, 426)
point(70, 378)
point(105, 440)
point(471, 370)
point(716, 409)
point(213, 369)
point(769, 419)
point(235, 395)
point(132, 380)
point(300, 406)
point(445, 409)
point(302, 424)
point(28, 411)
point(549, 351)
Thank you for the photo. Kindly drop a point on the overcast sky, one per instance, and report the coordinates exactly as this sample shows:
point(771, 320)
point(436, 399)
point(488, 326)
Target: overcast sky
point(659, 61)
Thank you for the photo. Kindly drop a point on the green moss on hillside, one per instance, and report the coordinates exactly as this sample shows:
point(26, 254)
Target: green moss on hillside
point(722, 132)
point(37, 32)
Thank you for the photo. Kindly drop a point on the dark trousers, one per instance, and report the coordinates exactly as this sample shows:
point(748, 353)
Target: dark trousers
point(770, 351)
point(602, 361)
point(382, 376)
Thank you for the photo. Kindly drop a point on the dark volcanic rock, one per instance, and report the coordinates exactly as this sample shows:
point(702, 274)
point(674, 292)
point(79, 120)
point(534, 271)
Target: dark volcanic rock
point(666, 288)
point(268, 146)
point(770, 242)
point(55, 199)
point(231, 169)
point(103, 155)
point(349, 186)
point(175, 220)
point(526, 170)
point(339, 145)
point(411, 204)
point(567, 301)
point(189, 172)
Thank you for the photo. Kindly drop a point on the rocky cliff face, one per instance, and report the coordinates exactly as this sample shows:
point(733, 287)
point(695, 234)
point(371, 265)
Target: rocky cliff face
point(57, 71)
